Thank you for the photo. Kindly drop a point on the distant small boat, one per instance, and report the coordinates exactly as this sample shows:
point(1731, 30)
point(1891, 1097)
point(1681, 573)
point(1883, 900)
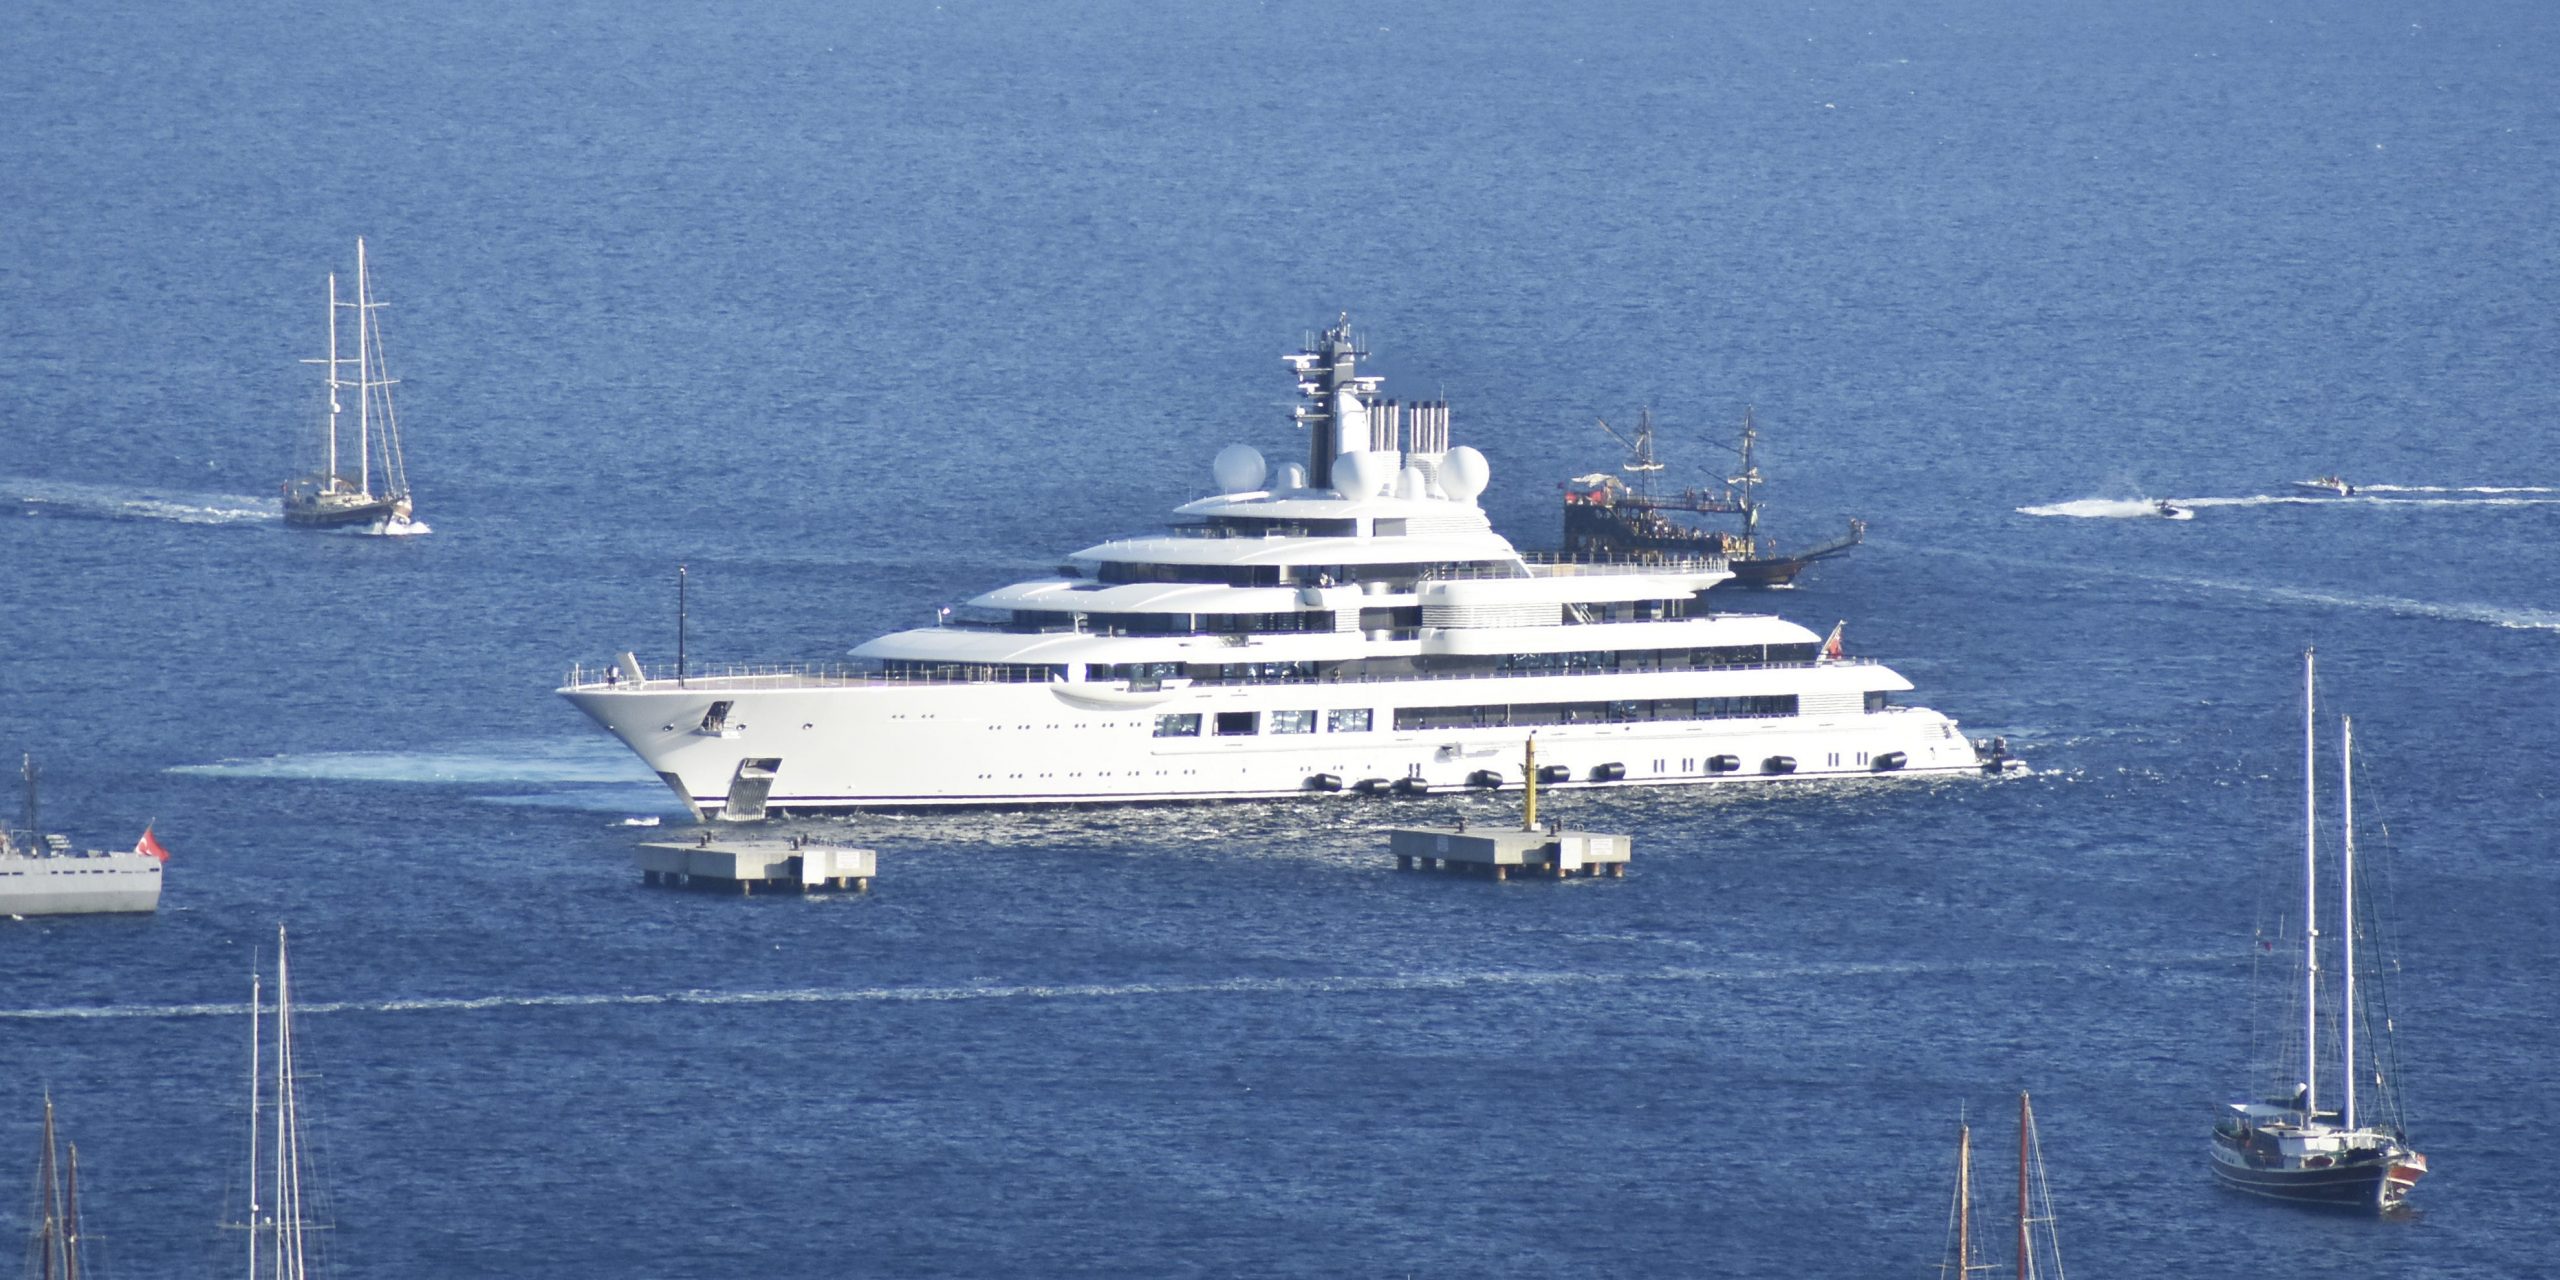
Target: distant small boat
point(376, 491)
point(2327, 486)
point(2170, 511)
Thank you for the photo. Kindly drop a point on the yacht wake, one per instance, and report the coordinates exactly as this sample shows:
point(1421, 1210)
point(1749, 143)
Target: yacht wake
point(2468, 488)
point(385, 529)
point(2367, 497)
point(2508, 617)
point(1346, 984)
point(2101, 509)
point(534, 762)
point(74, 500)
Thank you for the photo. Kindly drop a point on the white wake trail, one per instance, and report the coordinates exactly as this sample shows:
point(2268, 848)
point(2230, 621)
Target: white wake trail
point(1346, 984)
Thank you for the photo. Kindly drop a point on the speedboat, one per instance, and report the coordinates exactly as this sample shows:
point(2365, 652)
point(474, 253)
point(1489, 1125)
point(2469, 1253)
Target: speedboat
point(2326, 486)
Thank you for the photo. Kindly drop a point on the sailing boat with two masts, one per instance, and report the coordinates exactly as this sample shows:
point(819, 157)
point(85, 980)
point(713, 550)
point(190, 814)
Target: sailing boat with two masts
point(53, 1238)
point(373, 492)
point(2290, 1148)
point(2039, 1251)
point(281, 1225)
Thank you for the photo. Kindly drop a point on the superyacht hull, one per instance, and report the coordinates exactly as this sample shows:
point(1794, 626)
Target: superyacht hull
point(858, 745)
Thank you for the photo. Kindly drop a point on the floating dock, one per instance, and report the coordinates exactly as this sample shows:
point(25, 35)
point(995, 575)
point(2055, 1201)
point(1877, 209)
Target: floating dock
point(795, 865)
point(1498, 850)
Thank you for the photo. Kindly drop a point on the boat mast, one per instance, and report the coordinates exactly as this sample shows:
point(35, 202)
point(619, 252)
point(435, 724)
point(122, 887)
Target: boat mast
point(333, 381)
point(280, 1207)
point(364, 374)
point(2026, 1123)
point(256, 994)
point(1964, 1200)
point(1749, 480)
point(27, 770)
point(2347, 918)
point(2310, 911)
point(48, 1231)
point(71, 1217)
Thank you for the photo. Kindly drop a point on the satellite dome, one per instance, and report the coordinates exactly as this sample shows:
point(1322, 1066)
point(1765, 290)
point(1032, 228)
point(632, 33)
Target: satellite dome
point(1463, 473)
point(1411, 483)
point(1293, 475)
point(1361, 474)
point(1239, 468)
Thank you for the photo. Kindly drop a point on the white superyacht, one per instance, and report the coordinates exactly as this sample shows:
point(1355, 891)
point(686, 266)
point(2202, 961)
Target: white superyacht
point(1352, 624)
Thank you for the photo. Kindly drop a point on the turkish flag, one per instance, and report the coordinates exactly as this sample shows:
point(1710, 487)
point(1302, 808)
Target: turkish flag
point(150, 844)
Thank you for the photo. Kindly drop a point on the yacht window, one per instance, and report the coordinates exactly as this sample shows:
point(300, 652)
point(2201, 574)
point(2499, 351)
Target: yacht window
point(1501, 715)
point(1180, 726)
point(1352, 721)
point(1234, 724)
point(1878, 700)
point(1293, 722)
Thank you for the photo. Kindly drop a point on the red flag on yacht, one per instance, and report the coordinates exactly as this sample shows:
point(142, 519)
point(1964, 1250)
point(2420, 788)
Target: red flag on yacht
point(1831, 647)
point(150, 846)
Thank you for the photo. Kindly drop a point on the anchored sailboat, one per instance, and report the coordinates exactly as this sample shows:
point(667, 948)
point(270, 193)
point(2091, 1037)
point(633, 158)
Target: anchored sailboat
point(2290, 1148)
point(369, 484)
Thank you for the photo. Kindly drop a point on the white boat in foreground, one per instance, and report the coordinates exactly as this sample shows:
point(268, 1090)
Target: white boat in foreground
point(1350, 624)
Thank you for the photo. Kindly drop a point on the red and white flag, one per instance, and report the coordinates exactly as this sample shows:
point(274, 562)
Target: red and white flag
point(1831, 647)
point(150, 846)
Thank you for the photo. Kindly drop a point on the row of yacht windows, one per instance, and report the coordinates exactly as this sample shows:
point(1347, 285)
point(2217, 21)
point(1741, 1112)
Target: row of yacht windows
point(1500, 715)
point(1400, 576)
point(1235, 724)
point(1432, 666)
point(1457, 665)
point(1291, 622)
point(1057, 621)
point(1232, 724)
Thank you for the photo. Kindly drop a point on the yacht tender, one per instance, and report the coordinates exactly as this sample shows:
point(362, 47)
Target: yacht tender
point(1350, 624)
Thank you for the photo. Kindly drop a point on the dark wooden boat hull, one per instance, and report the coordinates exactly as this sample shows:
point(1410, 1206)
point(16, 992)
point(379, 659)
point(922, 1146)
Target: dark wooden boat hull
point(337, 516)
point(1777, 571)
point(2367, 1184)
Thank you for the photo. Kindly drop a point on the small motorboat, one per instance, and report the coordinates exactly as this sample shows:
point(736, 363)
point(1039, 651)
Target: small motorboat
point(2327, 486)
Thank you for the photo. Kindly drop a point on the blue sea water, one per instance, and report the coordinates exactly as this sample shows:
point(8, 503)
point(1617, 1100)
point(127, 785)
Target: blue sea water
point(858, 310)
